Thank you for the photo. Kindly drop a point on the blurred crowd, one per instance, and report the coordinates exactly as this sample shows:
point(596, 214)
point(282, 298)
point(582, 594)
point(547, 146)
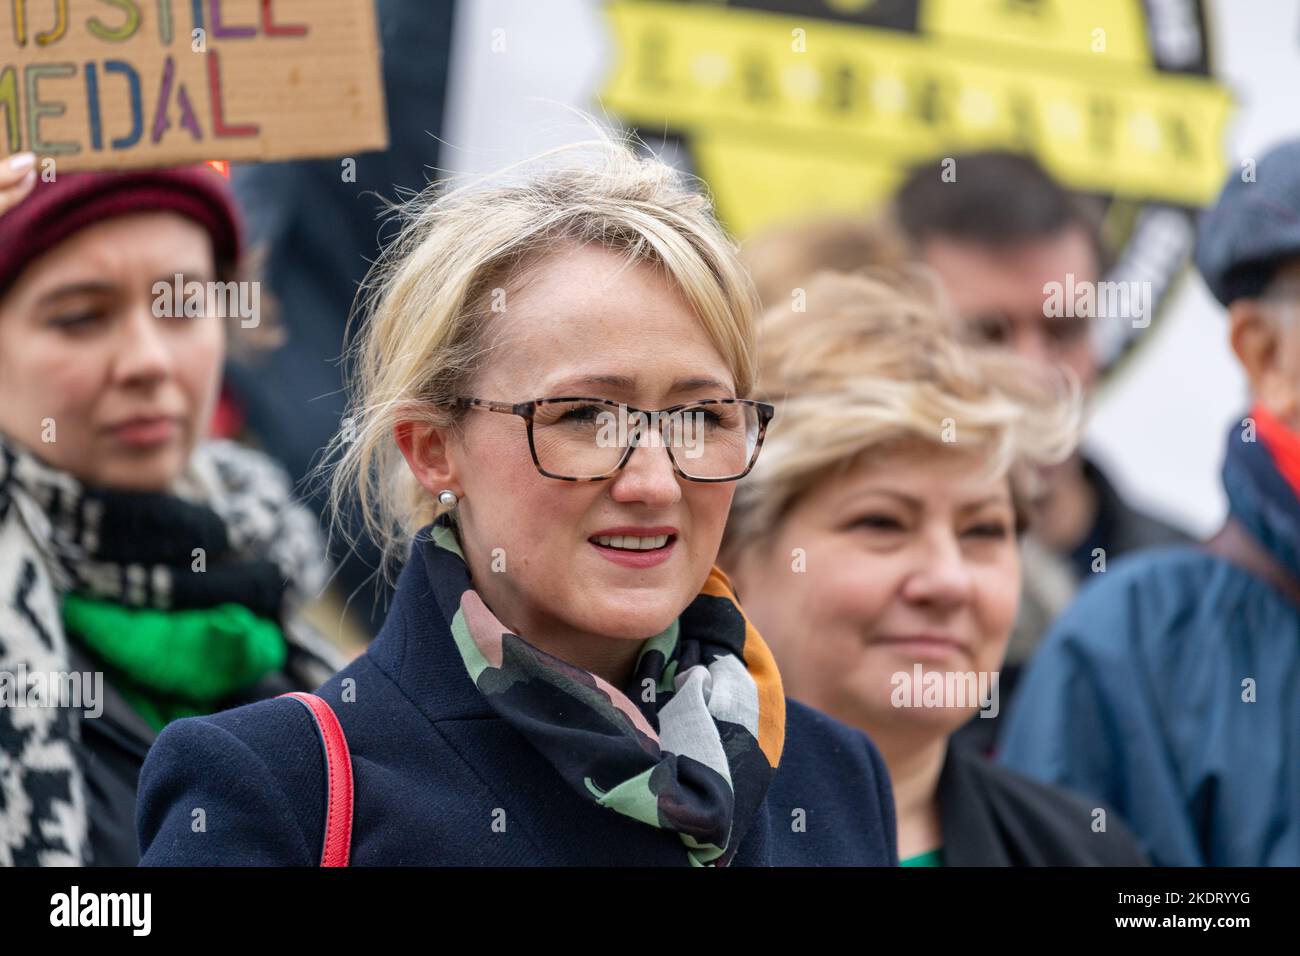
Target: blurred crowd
point(1049, 674)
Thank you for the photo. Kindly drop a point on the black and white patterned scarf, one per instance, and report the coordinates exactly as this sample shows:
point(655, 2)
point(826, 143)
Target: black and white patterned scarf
point(230, 530)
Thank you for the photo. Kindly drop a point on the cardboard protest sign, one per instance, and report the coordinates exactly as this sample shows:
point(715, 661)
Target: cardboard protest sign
point(116, 83)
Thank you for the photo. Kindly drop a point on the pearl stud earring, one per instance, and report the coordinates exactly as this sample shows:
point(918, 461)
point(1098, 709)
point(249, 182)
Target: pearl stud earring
point(448, 498)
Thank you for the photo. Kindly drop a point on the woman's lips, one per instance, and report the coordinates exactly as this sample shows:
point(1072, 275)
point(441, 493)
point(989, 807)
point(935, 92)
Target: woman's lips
point(923, 647)
point(636, 559)
point(146, 432)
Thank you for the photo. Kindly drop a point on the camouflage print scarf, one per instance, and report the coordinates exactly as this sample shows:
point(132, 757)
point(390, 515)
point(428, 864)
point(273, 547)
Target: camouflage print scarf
point(690, 747)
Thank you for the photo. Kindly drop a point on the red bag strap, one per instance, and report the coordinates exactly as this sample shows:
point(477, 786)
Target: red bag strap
point(338, 780)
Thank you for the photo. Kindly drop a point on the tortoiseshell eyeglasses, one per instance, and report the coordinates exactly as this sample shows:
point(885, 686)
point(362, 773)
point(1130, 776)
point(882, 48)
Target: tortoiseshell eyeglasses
point(591, 439)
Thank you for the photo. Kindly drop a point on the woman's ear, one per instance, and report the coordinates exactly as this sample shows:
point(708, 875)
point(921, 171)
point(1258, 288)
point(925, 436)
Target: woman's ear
point(425, 448)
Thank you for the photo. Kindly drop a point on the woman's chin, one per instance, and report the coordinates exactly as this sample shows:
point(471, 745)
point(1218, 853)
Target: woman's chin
point(150, 469)
point(154, 477)
point(633, 620)
point(914, 723)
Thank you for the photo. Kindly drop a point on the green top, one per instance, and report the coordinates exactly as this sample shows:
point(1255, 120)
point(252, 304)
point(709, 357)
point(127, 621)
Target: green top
point(171, 664)
point(928, 858)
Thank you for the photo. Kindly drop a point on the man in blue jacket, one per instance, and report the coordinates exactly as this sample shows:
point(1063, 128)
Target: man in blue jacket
point(1171, 688)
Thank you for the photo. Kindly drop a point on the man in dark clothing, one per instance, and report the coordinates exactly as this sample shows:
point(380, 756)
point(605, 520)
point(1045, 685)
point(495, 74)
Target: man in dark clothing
point(320, 228)
point(996, 229)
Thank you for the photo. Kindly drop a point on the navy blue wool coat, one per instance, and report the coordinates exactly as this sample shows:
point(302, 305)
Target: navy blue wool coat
point(441, 780)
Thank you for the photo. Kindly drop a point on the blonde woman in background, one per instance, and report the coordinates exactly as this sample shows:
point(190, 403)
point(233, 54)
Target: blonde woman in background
point(875, 546)
point(564, 677)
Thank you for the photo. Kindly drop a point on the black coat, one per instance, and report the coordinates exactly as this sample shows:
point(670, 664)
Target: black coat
point(992, 816)
point(114, 744)
point(440, 779)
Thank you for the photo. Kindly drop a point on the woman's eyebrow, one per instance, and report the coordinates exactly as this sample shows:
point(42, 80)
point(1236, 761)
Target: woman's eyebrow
point(915, 503)
point(902, 497)
point(626, 383)
point(100, 286)
point(998, 498)
point(201, 274)
point(85, 287)
point(695, 384)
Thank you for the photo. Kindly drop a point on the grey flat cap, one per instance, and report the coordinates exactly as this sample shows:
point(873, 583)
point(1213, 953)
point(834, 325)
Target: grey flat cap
point(1253, 226)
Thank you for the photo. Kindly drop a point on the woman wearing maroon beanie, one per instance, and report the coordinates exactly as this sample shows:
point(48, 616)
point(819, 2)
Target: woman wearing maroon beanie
point(146, 571)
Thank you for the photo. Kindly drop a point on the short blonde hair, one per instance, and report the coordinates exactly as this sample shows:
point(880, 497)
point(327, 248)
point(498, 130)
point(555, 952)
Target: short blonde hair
point(872, 361)
point(427, 301)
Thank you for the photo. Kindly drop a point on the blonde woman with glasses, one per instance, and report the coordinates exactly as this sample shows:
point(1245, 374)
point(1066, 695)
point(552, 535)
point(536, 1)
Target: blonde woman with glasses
point(551, 420)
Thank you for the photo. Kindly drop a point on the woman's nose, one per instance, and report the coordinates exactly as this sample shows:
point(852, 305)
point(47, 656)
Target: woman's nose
point(648, 475)
point(942, 577)
point(143, 353)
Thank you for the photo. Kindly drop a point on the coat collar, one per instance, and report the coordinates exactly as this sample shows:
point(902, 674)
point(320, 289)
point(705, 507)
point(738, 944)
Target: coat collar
point(416, 649)
point(971, 835)
point(1261, 478)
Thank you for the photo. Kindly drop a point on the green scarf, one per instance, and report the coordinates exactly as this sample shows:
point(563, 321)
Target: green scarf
point(174, 664)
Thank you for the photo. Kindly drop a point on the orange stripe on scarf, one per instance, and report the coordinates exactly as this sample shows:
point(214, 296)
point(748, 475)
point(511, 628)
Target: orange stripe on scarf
point(762, 668)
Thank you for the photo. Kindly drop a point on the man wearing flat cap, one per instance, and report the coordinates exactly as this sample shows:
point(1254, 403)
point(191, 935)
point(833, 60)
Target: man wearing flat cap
point(1171, 688)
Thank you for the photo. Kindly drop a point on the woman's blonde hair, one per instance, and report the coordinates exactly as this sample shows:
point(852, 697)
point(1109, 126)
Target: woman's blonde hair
point(872, 361)
point(428, 301)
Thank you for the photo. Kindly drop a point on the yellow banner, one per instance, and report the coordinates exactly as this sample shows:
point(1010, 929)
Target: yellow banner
point(1052, 27)
point(795, 112)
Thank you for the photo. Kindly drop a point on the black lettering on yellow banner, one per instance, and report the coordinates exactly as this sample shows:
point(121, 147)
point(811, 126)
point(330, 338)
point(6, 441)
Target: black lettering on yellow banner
point(787, 113)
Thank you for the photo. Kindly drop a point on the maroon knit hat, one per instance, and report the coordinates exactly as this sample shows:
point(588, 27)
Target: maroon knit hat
point(56, 210)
